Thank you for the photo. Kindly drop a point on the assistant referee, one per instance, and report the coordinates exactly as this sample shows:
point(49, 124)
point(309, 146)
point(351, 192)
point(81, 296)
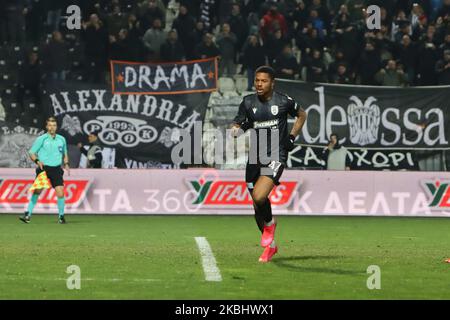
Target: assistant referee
point(49, 152)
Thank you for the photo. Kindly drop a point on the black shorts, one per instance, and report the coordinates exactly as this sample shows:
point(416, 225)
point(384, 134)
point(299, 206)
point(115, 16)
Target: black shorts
point(274, 170)
point(54, 174)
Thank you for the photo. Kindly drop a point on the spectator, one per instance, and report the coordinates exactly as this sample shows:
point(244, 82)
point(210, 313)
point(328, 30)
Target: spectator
point(336, 155)
point(316, 69)
point(92, 151)
point(226, 42)
point(207, 48)
point(443, 69)
point(322, 12)
point(192, 6)
point(273, 21)
point(153, 39)
point(355, 9)
point(116, 20)
point(348, 37)
point(429, 55)
point(342, 76)
point(309, 40)
point(274, 45)
point(96, 41)
point(400, 26)
point(404, 29)
point(300, 16)
point(30, 76)
point(417, 14)
point(238, 25)
point(172, 50)
point(184, 24)
point(16, 10)
point(133, 37)
point(420, 29)
point(285, 65)
point(444, 10)
point(196, 37)
point(369, 64)
point(34, 18)
point(54, 10)
point(150, 13)
point(407, 55)
point(121, 47)
point(317, 23)
point(391, 75)
point(333, 66)
point(254, 56)
point(446, 45)
point(57, 57)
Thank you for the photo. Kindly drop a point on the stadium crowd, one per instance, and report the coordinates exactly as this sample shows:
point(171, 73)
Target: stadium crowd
point(312, 40)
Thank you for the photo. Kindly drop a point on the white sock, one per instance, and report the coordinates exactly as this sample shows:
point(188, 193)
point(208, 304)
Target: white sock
point(273, 245)
point(268, 224)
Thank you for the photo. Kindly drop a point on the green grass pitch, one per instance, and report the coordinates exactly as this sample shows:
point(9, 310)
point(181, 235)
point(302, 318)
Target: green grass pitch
point(156, 257)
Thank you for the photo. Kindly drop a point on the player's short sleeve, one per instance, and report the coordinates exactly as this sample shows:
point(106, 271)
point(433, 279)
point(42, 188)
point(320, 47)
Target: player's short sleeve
point(292, 106)
point(37, 145)
point(241, 117)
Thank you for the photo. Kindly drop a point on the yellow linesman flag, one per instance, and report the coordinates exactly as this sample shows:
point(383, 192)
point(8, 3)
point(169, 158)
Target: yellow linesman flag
point(41, 182)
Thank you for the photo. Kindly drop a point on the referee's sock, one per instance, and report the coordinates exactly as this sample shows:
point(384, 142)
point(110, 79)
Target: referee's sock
point(61, 204)
point(32, 203)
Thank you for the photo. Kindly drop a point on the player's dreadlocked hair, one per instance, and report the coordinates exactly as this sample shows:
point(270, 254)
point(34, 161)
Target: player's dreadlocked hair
point(266, 69)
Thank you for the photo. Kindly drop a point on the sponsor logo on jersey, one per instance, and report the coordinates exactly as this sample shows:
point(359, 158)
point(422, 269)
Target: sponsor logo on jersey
point(273, 124)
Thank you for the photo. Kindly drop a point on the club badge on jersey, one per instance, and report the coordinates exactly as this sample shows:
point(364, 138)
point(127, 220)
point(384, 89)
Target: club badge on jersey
point(274, 110)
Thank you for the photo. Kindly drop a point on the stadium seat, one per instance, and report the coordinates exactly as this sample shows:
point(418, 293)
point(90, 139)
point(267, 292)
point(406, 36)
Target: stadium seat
point(12, 108)
point(8, 80)
point(37, 122)
point(241, 84)
point(9, 94)
point(303, 73)
point(230, 94)
point(226, 84)
point(31, 107)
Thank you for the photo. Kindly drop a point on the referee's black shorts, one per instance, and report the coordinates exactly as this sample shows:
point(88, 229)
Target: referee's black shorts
point(273, 170)
point(54, 174)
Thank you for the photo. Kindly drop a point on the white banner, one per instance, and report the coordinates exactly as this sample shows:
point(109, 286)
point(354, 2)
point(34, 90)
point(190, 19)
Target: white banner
point(209, 191)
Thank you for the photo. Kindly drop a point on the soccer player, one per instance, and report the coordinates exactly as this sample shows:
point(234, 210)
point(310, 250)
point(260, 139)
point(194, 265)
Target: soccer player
point(49, 152)
point(267, 111)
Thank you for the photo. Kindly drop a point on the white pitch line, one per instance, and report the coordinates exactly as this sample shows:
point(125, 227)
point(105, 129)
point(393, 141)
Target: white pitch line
point(212, 272)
